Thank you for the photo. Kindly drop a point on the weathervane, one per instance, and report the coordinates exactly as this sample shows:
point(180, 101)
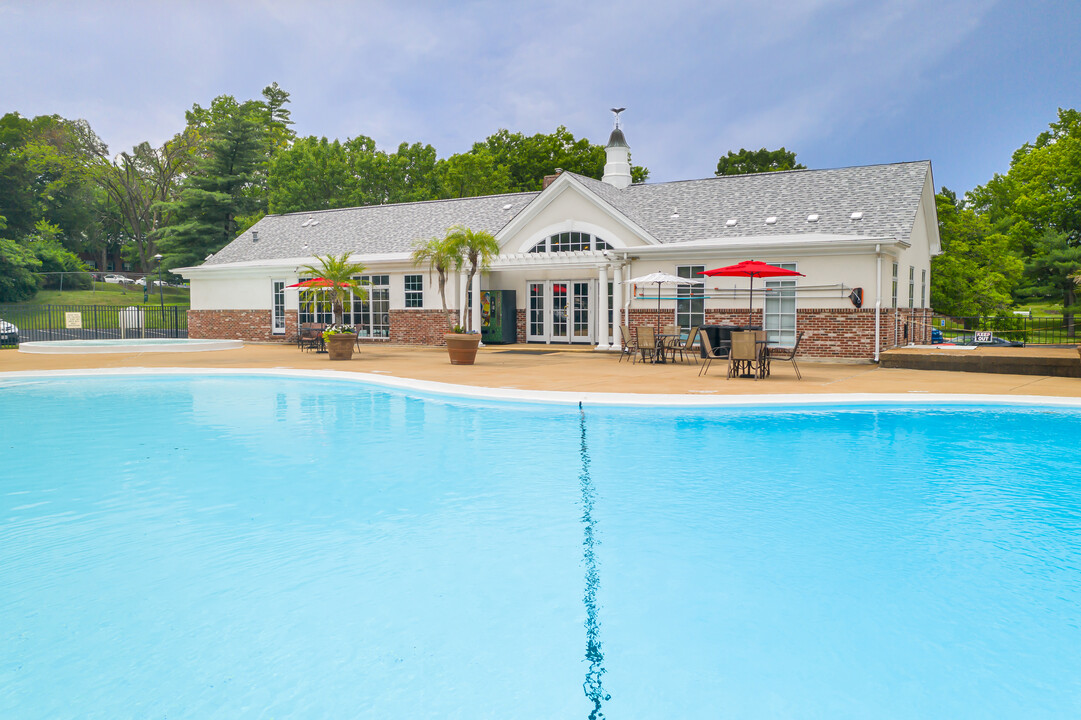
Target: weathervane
point(617, 111)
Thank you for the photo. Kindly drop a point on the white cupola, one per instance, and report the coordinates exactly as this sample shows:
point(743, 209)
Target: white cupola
point(617, 166)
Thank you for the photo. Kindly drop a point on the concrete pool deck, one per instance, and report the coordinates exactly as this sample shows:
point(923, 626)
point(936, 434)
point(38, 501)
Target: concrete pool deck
point(545, 368)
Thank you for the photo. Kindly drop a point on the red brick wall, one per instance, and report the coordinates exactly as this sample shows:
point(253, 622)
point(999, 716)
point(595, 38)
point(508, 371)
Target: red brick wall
point(248, 325)
point(419, 327)
point(847, 333)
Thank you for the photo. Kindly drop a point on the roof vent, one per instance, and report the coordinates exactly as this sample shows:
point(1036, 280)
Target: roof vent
point(209, 256)
point(508, 206)
point(255, 236)
point(309, 221)
point(675, 213)
point(856, 216)
point(813, 217)
point(771, 220)
point(731, 222)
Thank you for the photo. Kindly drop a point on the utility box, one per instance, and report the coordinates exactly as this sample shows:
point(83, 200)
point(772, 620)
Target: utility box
point(498, 317)
point(131, 318)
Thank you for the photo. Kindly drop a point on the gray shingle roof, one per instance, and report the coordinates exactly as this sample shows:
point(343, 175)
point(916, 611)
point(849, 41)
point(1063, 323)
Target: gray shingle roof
point(887, 195)
point(374, 229)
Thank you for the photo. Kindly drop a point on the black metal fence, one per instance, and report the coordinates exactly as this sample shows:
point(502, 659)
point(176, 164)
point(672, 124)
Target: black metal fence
point(1040, 330)
point(29, 323)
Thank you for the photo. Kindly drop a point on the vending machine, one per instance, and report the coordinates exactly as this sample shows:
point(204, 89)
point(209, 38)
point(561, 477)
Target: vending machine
point(498, 317)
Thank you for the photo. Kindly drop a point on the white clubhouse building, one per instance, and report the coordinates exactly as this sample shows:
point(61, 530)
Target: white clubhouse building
point(862, 237)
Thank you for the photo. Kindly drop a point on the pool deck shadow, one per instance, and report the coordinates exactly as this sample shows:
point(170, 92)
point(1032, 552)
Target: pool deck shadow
point(579, 370)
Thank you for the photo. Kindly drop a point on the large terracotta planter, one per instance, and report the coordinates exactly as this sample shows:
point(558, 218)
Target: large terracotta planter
point(340, 346)
point(462, 347)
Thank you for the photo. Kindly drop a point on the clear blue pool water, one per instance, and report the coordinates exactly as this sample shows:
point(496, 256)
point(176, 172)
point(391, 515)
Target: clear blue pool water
point(230, 547)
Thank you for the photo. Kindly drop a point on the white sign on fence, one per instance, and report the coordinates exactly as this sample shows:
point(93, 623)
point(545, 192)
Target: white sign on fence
point(983, 336)
point(73, 320)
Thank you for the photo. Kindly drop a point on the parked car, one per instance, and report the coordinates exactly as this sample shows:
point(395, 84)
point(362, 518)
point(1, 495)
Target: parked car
point(118, 280)
point(141, 281)
point(9, 334)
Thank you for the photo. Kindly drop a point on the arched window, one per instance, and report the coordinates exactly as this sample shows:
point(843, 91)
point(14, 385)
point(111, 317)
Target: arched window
point(570, 242)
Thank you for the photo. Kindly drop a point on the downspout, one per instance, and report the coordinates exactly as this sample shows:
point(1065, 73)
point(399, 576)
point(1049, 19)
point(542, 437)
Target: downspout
point(878, 298)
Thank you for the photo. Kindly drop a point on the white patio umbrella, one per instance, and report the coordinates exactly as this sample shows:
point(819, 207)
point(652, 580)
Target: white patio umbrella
point(662, 278)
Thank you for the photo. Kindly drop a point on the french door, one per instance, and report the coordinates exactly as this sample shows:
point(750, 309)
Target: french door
point(560, 311)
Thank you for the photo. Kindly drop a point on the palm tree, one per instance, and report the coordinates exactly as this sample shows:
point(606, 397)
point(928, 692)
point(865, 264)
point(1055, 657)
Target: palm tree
point(477, 248)
point(437, 254)
point(338, 276)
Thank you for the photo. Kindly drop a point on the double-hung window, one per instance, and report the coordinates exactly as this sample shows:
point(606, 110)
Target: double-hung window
point(414, 291)
point(911, 287)
point(690, 299)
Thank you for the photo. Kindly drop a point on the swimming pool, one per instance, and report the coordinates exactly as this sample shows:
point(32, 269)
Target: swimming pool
point(268, 547)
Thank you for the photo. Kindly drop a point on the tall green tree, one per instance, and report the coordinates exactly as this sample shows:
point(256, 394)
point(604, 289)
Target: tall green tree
point(142, 188)
point(472, 174)
point(18, 269)
point(1037, 202)
point(224, 185)
point(528, 159)
point(757, 161)
point(976, 272)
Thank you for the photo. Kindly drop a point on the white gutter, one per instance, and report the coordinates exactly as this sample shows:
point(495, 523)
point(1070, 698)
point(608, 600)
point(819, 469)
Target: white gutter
point(878, 297)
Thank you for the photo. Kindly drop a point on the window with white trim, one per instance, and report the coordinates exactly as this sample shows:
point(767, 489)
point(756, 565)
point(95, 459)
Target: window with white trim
point(895, 286)
point(317, 311)
point(372, 316)
point(570, 242)
point(277, 304)
point(690, 299)
point(923, 288)
point(779, 311)
point(414, 291)
point(911, 287)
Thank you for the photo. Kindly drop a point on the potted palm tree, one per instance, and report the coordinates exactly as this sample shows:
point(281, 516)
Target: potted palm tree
point(475, 248)
point(334, 281)
point(459, 247)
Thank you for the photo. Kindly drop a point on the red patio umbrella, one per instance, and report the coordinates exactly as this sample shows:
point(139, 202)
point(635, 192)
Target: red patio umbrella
point(751, 269)
point(316, 282)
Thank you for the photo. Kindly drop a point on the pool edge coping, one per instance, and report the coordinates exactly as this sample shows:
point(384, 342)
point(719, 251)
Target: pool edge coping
point(560, 397)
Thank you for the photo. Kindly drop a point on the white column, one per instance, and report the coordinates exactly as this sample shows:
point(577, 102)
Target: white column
point(603, 337)
point(462, 295)
point(617, 300)
point(475, 321)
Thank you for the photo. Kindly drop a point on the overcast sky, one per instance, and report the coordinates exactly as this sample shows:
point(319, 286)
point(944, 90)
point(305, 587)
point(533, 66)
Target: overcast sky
point(842, 82)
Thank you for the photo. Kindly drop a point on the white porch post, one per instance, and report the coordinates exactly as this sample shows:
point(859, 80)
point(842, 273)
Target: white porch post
point(603, 338)
point(617, 302)
point(475, 305)
point(462, 298)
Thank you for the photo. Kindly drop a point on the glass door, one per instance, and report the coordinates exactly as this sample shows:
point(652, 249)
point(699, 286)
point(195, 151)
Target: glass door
point(581, 327)
point(560, 324)
point(536, 331)
point(560, 311)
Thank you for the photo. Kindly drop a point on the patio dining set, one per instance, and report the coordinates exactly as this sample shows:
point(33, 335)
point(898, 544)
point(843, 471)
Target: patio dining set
point(746, 349)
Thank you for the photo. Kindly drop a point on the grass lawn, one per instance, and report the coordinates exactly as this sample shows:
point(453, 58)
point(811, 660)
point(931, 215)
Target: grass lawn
point(109, 294)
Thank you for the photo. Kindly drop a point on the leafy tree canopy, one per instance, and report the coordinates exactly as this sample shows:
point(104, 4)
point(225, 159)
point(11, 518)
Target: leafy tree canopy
point(757, 161)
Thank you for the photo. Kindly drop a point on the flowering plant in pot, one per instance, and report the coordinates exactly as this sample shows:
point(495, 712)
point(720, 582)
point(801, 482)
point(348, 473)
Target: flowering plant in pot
point(335, 282)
